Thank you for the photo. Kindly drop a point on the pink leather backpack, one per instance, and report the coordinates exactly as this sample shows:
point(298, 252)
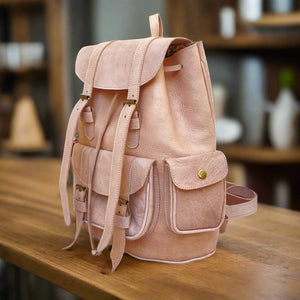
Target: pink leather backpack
point(148, 180)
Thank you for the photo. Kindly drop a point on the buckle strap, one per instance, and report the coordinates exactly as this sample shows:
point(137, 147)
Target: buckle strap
point(111, 232)
point(93, 160)
point(65, 165)
point(80, 209)
point(91, 70)
point(73, 127)
point(115, 176)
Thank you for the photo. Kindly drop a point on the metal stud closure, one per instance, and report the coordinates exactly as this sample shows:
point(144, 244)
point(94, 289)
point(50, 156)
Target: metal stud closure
point(202, 174)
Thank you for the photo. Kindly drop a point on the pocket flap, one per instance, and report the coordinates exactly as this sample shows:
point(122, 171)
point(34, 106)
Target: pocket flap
point(184, 170)
point(135, 170)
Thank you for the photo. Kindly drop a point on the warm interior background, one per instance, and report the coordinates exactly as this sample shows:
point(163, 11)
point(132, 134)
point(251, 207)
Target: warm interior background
point(39, 41)
point(54, 31)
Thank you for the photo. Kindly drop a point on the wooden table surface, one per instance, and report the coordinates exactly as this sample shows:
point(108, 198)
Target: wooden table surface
point(257, 258)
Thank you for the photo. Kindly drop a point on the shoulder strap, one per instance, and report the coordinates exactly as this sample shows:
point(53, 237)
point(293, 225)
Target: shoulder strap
point(110, 232)
point(73, 126)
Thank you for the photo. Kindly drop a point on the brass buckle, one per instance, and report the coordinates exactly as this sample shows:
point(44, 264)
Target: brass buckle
point(129, 101)
point(84, 97)
point(125, 202)
point(81, 188)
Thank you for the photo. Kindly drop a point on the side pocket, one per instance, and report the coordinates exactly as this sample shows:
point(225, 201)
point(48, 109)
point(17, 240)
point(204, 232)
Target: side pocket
point(195, 192)
point(136, 187)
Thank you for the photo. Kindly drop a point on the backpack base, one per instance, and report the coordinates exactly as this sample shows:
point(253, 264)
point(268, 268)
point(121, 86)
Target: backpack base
point(173, 248)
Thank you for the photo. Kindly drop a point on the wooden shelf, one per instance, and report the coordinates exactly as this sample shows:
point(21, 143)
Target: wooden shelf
point(260, 155)
point(278, 20)
point(17, 2)
point(34, 68)
point(252, 41)
point(22, 15)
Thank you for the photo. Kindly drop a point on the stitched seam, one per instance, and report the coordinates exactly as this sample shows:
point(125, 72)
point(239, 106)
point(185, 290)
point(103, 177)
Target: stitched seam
point(167, 195)
point(142, 230)
point(206, 78)
point(155, 199)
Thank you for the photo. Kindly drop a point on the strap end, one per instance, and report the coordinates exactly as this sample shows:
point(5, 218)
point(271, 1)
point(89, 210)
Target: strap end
point(67, 220)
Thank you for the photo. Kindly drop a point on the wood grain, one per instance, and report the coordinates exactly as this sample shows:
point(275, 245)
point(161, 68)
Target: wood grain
point(257, 258)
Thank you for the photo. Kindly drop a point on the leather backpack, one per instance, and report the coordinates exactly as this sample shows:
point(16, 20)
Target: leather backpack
point(147, 178)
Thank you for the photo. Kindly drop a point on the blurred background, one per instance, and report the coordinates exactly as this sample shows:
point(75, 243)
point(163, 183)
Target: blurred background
point(252, 49)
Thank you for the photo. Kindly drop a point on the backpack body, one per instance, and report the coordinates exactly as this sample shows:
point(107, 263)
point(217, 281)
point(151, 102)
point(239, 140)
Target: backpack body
point(168, 176)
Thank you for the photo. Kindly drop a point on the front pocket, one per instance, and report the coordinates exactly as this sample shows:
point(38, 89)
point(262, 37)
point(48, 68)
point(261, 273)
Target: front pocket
point(136, 187)
point(195, 192)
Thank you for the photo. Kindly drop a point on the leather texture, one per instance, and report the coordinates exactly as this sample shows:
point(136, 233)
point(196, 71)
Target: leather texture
point(136, 163)
point(114, 66)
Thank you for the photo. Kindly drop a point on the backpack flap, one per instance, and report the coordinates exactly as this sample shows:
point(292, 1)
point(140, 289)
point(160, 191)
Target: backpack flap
point(114, 67)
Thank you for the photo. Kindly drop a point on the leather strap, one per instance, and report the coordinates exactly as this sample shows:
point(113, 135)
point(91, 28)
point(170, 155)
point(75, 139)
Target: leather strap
point(93, 160)
point(73, 127)
point(92, 66)
point(80, 210)
point(112, 233)
point(156, 25)
point(87, 206)
point(119, 237)
point(173, 68)
point(66, 160)
point(240, 201)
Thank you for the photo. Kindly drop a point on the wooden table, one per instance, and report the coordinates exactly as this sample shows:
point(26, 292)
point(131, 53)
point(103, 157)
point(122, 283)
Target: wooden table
point(257, 258)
